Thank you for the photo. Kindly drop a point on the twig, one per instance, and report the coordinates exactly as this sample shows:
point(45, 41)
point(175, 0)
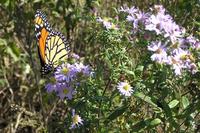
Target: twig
point(107, 85)
point(17, 122)
point(51, 111)
point(28, 39)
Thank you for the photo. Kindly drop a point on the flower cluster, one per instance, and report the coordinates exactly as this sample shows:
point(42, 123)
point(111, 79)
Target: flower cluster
point(172, 46)
point(66, 77)
point(135, 16)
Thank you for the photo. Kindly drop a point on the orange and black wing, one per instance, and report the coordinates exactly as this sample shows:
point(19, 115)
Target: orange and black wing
point(42, 29)
point(52, 46)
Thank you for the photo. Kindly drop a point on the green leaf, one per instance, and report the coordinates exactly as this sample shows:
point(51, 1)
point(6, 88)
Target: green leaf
point(168, 113)
point(27, 69)
point(197, 23)
point(185, 102)
point(148, 123)
point(155, 122)
point(130, 72)
point(173, 103)
point(138, 126)
point(140, 68)
point(13, 51)
point(119, 111)
point(36, 1)
point(3, 46)
point(189, 110)
point(146, 98)
point(3, 42)
point(2, 82)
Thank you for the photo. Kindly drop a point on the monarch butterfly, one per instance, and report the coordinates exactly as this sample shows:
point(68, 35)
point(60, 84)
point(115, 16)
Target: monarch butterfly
point(52, 46)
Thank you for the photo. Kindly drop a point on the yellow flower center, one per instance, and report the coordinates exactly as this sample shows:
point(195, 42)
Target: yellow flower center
point(65, 91)
point(113, 26)
point(106, 19)
point(184, 57)
point(65, 70)
point(126, 87)
point(175, 45)
point(53, 80)
point(75, 119)
point(191, 58)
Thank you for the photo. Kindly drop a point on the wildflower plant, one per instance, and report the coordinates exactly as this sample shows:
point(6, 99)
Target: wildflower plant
point(143, 57)
point(142, 63)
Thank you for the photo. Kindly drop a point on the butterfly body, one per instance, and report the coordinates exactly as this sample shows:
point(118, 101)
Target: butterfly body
point(53, 47)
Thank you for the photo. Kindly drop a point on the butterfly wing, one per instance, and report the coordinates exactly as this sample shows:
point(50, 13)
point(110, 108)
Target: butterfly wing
point(42, 29)
point(57, 49)
point(52, 47)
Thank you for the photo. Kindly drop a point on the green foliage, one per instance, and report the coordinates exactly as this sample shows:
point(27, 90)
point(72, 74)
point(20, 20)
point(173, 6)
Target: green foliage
point(161, 102)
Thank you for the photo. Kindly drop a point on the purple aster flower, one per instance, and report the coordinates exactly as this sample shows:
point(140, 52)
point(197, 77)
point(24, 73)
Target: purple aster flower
point(75, 56)
point(177, 69)
point(131, 17)
point(183, 55)
point(195, 43)
point(52, 86)
point(125, 88)
point(64, 90)
point(68, 72)
point(76, 120)
point(192, 68)
point(162, 23)
point(159, 9)
point(173, 31)
point(137, 18)
point(106, 23)
point(131, 10)
point(65, 73)
point(179, 60)
point(154, 23)
point(160, 54)
point(176, 65)
point(80, 68)
point(191, 39)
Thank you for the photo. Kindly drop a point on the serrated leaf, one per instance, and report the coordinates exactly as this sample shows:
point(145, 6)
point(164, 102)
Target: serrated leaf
point(173, 103)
